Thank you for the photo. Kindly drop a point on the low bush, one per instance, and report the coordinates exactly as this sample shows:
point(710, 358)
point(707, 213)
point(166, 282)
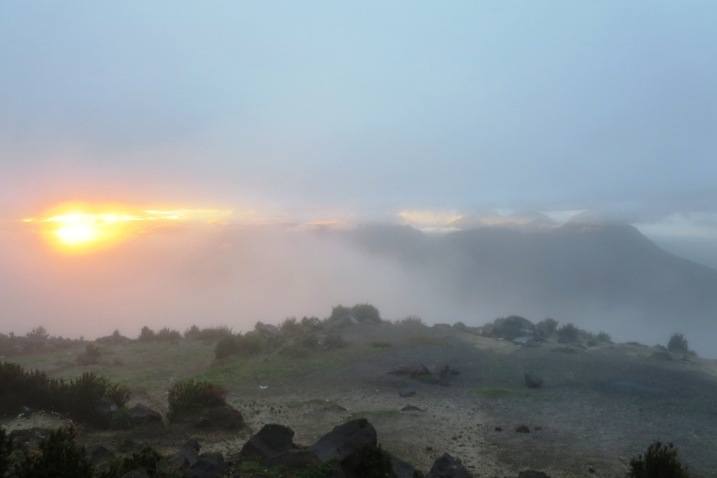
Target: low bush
point(251, 343)
point(85, 398)
point(168, 335)
point(58, 457)
point(660, 461)
point(510, 328)
point(568, 334)
point(678, 344)
point(211, 334)
point(146, 334)
point(5, 450)
point(191, 395)
point(90, 356)
point(546, 328)
point(146, 459)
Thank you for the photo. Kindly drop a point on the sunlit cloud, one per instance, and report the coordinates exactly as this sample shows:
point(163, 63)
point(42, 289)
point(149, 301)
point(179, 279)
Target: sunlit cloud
point(430, 220)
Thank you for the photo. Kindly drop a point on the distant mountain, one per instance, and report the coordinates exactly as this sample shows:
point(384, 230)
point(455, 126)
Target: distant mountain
point(604, 275)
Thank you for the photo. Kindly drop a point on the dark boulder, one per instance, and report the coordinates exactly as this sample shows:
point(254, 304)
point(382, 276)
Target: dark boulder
point(143, 415)
point(269, 443)
point(345, 440)
point(417, 370)
point(222, 417)
point(448, 467)
point(532, 381)
point(406, 392)
point(273, 445)
point(411, 408)
point(522, 429)
point(208, 465)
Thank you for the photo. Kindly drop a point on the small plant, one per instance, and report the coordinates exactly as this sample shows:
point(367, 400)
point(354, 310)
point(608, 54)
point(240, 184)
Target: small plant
point(192, 395)
point(59, 457)
point(660, 461)
point(678, 344)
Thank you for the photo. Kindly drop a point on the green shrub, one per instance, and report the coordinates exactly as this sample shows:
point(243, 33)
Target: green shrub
point(510, 328)
point(678, 344)
point(211, 334)
point(568, 333)
point(84, 398)
point(58, 457)
point(660, 461)
point(366, 313)
point(5, 450)
point(191, 395)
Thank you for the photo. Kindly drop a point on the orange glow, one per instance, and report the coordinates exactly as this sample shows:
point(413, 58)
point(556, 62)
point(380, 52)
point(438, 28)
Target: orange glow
point(81, 228)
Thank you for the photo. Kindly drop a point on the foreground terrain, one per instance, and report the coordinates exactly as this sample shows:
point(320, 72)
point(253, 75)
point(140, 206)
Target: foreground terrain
point(428, 391)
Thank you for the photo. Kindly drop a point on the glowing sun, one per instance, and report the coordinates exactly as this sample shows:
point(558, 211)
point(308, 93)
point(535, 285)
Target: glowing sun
point(80, 228)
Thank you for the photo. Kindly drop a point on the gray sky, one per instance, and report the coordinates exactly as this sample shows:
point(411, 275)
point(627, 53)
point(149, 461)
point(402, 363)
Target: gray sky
point(366, 108)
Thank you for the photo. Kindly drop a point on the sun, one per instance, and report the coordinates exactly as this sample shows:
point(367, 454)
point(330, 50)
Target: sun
point(81, 228)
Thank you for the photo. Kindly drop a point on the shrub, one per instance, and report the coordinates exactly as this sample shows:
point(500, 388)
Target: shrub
point(568, 333)
point(192, 395)
point(210, 334)
point(678, 344)
point(146, 459)
point(370, 462)
point(510, 328)
point(90, 356)
point(604, 338)
point(660, 461)
point(85, 398)
point(146, 334)
point(168, 335)
point(5, 450)
point(334, 341)
point(115, 339)
point(59, 457)
point(411, 321)
point(251, 343)
point(366, 313)
point(546, 328)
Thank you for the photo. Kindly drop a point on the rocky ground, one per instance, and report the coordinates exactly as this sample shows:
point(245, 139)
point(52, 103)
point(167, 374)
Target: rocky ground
point(434, 390)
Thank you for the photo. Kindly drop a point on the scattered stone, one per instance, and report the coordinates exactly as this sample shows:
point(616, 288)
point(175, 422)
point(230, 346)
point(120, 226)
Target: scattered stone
point(447, 466)
point(269, 443)
point(532, 381)
point(401, 469)
point(414, 371)
point(411, 408)
point(208, 465)
point(532, 474)
point(499, 429)
point(591, 470)
point(522, 429)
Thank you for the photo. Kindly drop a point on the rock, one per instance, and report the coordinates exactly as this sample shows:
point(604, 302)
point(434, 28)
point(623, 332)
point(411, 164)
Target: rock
point(414, 371)
point(532, 474)
point(522, 429)
point(406, 392)
point(411, 408)
point(401, 469)
point(448, 467)
point(98, 455)
point(532, 381)
point(345, 440)
point(273, 446)
point(445, 374)
point(498, 429)
point(209, 465)
point(143, 415)
point(222, 417)
point(269, 443)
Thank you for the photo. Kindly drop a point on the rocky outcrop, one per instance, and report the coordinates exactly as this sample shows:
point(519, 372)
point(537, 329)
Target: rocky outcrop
point(447, 466)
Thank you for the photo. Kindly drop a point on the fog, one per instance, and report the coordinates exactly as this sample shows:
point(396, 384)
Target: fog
point(605, 280)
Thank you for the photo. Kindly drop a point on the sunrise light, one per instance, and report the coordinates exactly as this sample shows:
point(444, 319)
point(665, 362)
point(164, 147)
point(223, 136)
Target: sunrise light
point(81, 228)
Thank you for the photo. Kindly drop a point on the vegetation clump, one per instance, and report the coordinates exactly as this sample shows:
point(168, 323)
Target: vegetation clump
point(659, 461)
point(58, 456)
point(88, 398)
point(90, 356)
point(678, 344)
point(190, 396)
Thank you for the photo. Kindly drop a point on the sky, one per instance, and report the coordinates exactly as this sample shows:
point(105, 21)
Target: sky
point(318, 109)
